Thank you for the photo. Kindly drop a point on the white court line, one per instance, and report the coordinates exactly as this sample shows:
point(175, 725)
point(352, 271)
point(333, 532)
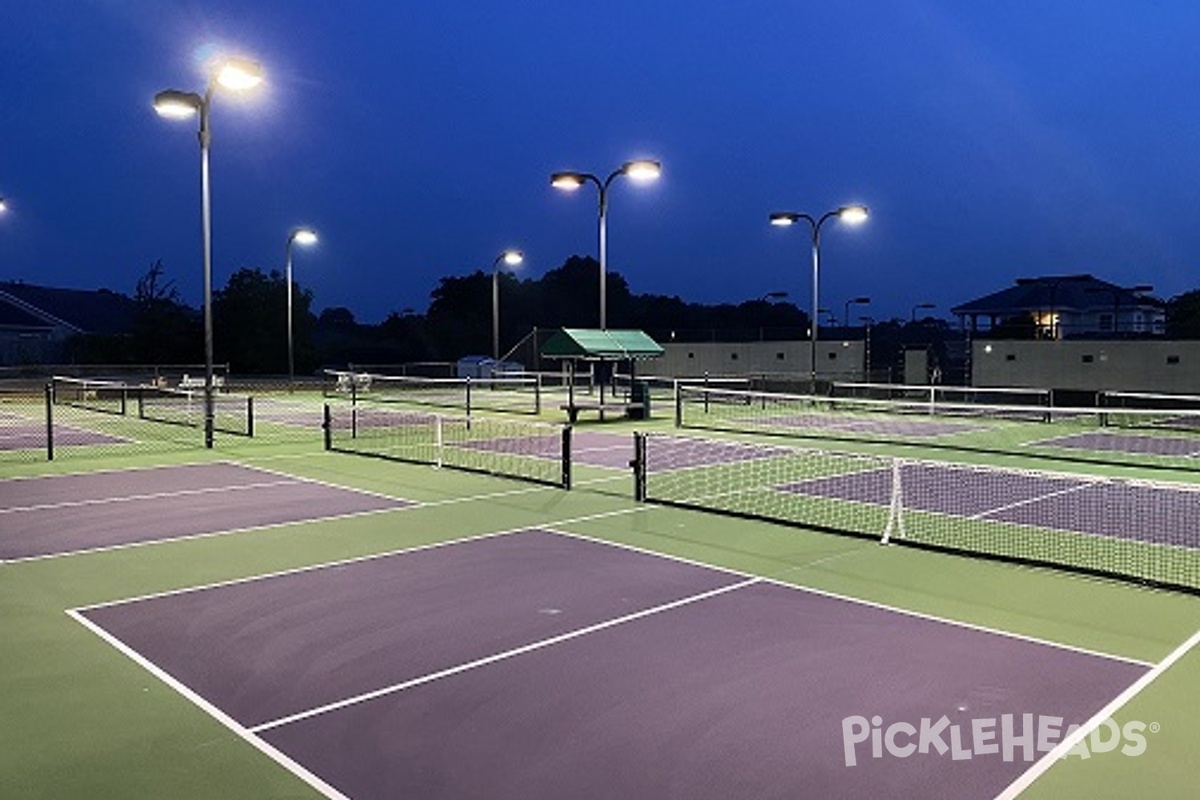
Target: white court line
point(1031, 500)
point(203, 535)
point(116, 470)
point(101, 501)
point(502, 656)
point(359, 559)
point(255, 741)
point(1068, 743)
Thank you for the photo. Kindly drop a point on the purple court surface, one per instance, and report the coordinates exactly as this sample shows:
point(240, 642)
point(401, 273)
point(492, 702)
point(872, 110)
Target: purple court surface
point(1178, 446)
point(882, 427)
point(71, 513)
point(18, 433)
point(538, 665)
point(1146, 512)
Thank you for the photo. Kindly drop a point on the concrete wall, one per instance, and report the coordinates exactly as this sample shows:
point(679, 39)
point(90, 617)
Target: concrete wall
point(836, 360)
point(1148, 366)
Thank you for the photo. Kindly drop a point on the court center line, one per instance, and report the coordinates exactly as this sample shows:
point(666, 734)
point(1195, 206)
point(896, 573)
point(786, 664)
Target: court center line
point(1031, 500)
point(100, 501)
point(497, 657)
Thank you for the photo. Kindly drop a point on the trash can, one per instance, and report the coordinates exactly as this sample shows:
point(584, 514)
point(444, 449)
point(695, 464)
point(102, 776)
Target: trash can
point(639, 399)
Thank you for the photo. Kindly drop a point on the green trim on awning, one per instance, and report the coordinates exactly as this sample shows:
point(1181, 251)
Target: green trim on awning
point(600, 345)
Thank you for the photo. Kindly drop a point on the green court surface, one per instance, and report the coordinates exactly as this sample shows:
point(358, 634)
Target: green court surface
point(78, 718)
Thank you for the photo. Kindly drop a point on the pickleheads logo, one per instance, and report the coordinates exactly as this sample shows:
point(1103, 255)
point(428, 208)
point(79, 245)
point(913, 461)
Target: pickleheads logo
point(1010, 736)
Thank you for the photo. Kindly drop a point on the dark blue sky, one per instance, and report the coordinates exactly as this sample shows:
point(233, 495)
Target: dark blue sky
point(992, 140)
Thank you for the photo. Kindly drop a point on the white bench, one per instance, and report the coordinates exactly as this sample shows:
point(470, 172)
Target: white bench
point(188, 382)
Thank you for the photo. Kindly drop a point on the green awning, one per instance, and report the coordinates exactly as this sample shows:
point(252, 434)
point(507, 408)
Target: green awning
point(591, 344)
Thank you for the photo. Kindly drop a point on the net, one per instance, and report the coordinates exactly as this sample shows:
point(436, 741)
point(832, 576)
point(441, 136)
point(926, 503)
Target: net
point(1142, 531)
point(1162, 411)
point(525, 450)
point(231, 413)
point(508, 393)
point(937, 394)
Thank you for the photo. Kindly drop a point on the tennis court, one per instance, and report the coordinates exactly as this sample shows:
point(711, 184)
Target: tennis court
point(528, 664)
point(58, 515)
point(259, 621)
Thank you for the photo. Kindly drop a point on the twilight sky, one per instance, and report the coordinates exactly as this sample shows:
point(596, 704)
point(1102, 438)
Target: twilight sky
point(992, 140)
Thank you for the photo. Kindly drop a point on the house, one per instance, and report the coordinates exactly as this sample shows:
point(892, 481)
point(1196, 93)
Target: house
point(1065, 306)
point(37, 321)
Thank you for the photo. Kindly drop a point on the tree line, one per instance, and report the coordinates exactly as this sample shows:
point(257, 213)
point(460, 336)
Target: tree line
point(250, 321)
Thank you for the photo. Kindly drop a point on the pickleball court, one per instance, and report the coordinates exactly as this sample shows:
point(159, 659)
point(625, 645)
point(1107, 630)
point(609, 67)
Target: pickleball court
point(62, 514)
point(537, 664)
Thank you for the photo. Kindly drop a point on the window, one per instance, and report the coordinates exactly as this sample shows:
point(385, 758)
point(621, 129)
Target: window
point(779, 357)
point(1087, 359)
point(1106, 322)
point(1010, 357)
point(1172, 360)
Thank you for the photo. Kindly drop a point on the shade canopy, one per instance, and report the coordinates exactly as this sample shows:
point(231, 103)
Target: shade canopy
point(593, 344)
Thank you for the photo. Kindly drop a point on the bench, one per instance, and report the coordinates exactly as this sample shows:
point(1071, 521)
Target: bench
point(573, 409)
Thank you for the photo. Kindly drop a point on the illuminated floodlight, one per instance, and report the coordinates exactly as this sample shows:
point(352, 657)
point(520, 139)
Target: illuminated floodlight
point(568, 181)
point(512, 257)
point(304, 236)
point(175, 104)
point(239, 74)
point(642, 170)
point(853, 214)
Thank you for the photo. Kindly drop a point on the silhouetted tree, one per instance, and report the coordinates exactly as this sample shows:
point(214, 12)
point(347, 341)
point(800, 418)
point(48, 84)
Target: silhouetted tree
point(250, 324)
point(165, 331)
point(1183, 316)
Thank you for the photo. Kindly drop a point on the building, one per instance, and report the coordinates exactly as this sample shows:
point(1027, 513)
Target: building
point(36, 322)
point(1063, 307)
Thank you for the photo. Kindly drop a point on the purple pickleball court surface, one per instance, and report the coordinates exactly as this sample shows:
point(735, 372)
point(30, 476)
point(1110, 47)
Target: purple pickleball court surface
point(1146, 512)
point(737, 689)
point(71, 513)
point(1176, 446)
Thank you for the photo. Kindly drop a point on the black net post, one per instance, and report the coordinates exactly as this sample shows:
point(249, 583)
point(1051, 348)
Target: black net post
point(639, 467)
point(566, 457)
point(327, 427)
point(50, 421)
point(250, 414)
point(678, 404)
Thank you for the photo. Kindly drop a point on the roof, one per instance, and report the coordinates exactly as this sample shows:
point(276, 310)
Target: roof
point(82, 311)
point(1056, 293)
point(600, 345)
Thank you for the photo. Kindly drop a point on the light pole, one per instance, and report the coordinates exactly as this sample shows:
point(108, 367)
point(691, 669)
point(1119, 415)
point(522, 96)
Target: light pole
point(920, 306)
point(306, 237)
point(862, 301)
point(852, 214)
point(237, 74)
point(641, 170)
point(511, 258)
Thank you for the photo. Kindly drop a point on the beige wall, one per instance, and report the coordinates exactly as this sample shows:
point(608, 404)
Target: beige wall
point(1148, 366)
point(684, 360)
